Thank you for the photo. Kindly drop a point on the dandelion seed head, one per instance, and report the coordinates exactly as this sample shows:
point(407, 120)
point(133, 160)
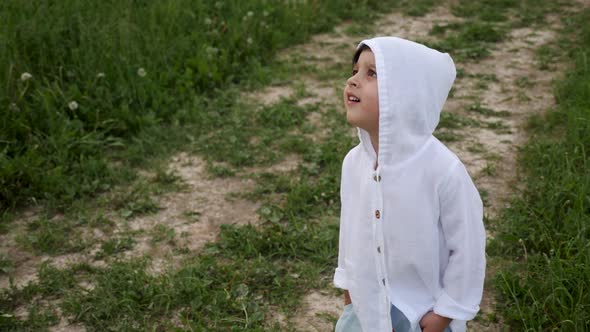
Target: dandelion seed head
point(208, 21)
point(249, 41)
point(141, 72)
point(25, 76)
point(250, 14)
point(211, 51)
point(100, 75)
point(73, 105)
point(14, 107)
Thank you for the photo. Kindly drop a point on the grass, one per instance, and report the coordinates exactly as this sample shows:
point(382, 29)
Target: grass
point(233, 284)
point(478, 108)
point(241, 281)
point(486, 23)
point(115, 245)
point(6, 264)
point(468, 40)
point(51, 236)
point(88, 91)
point(547, 227)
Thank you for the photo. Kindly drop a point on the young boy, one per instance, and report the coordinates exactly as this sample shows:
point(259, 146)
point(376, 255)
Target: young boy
point(412, 240)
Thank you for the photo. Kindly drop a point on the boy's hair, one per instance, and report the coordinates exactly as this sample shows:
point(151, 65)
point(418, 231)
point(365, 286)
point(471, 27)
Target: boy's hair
point(358, 52)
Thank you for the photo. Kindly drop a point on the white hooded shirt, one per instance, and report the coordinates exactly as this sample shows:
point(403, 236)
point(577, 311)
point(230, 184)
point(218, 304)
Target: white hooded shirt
point(411, 231)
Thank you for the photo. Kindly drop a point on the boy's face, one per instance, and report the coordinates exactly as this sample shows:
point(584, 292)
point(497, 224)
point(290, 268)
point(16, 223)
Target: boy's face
point(360, 94)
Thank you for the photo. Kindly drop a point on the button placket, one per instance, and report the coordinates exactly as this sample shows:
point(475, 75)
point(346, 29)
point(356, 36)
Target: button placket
point(379, 236)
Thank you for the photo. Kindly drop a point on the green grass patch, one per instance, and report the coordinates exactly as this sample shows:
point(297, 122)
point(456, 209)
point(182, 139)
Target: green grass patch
point(235, 281)
point(450, 120)
point(162, 232)
point(522, 12)
point(544, 234)
point(466, 41)
point(6, 264)
point(114, 246)
point(417, 7)
point(52, 236)
point(84, 85)
point(487, 22)
point(477, 108)
point(448, 136)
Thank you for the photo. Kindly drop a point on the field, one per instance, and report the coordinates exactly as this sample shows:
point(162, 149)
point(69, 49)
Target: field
point(175, 165)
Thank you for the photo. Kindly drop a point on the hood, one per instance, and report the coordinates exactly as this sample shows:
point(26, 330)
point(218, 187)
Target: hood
point(413, 84)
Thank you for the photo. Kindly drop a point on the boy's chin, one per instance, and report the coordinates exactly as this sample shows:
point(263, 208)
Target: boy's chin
point(358, 124)
point(352, 118)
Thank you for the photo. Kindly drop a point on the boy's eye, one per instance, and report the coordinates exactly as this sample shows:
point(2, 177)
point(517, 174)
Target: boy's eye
point(372, 73)
point(354, 71)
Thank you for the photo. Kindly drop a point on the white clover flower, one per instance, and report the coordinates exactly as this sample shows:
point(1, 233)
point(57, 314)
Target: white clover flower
point(141, 72)
point(100, 75)
point(73, 105)
point(25, 76)
point(218, 4)
point(208, 21)
point(250, 14)
point(265, 13)
point(249, 41)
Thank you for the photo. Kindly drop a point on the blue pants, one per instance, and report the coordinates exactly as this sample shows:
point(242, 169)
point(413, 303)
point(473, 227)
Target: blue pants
point(348, 322)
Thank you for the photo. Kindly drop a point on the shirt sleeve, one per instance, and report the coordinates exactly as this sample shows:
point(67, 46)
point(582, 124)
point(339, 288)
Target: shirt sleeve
point(461, 217)
point(340, 278)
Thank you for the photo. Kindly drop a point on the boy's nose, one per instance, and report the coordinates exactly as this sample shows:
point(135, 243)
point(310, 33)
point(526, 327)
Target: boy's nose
point(351, 82)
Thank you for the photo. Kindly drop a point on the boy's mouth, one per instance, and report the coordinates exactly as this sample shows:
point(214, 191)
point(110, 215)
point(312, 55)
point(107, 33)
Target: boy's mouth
point(350, 98)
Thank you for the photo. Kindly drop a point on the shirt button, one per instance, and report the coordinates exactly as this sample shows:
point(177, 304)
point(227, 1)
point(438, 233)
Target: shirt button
point(376, 178)
point(379, 249)
point(383, 281)
point(377, 214)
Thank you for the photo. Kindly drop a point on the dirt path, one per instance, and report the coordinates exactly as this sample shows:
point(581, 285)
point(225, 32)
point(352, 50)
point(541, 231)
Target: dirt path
point(508, 80)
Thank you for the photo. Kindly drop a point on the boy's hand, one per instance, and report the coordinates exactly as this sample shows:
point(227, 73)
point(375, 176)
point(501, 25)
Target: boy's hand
point(432, 322)
point(347, 299)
